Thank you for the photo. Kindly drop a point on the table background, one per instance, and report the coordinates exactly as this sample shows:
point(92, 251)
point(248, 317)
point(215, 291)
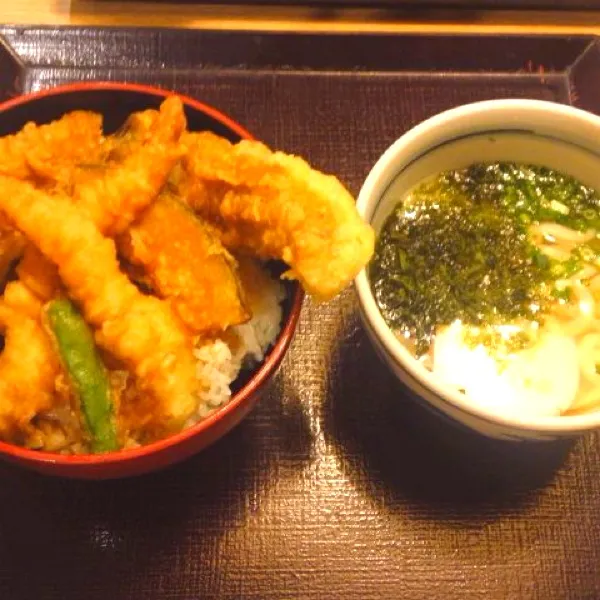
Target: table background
point(337, 485)
point(200, 15)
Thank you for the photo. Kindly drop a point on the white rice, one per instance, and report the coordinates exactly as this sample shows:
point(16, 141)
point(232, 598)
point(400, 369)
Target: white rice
point(218, 365)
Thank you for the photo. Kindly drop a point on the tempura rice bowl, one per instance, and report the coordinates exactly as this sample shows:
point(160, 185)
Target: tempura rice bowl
point(235, 374)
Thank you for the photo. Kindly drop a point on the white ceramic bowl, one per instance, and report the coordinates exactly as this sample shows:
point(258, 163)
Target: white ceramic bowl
point(530, 131)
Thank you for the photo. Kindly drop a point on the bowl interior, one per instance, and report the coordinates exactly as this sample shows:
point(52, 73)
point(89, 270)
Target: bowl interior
point(532, 132)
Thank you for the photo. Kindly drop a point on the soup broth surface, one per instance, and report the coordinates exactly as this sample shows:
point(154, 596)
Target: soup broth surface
point(490, 276)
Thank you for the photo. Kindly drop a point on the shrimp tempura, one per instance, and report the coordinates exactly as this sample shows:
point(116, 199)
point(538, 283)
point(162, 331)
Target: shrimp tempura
point(276, 206)
point(112, 197)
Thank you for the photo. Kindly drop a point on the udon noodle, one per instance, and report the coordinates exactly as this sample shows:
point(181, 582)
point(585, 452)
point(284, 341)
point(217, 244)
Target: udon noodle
point(580, 318)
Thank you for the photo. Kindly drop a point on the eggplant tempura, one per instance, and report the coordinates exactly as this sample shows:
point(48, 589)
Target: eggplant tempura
point(125, 314)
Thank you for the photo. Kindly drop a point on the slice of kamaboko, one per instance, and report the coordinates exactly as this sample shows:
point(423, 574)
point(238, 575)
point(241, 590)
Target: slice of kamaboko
point(541, 380)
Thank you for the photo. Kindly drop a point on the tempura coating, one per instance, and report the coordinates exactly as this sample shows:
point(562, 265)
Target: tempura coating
point(39, 274)
point(173, 252)
point(137, 129)
point(49, 152)
point(19, 297)
point(276, 206)
point(113, 196)
point(185, 262)
point(12, 246)
point(142, 331)
point(28, 370)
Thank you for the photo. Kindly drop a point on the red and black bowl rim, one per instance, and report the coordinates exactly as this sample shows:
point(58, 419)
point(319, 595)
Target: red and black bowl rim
point(259, 377)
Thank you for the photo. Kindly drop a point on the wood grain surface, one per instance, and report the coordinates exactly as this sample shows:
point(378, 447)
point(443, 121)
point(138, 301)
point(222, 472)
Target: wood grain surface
point(205, 16)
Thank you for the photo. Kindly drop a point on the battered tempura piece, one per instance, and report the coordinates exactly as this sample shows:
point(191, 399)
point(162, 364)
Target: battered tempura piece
point(185, 262)
point(12, 246)
point(27, 387)
point(111, 195)
point(141, 331)
point(138, 129)
point(278, 207)
point(49, 152)
point(177, 255)
point(114, 196)
point(19, 297)
point(39, 275)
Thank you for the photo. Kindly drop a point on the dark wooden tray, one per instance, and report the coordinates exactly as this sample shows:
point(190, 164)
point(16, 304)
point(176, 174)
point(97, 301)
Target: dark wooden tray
point(336, 486)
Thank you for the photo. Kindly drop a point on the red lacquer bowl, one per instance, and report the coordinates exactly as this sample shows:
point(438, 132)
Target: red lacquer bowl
point(115, 101)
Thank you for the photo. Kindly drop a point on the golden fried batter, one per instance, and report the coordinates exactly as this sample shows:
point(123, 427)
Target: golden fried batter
point(39, 275)
point(112, 198)
point(185, 262)
point(49, 152)
point(142, 331)
point(19, 297)
point(28, 370)
point(174, 253)
point(138, 129)
point(12, 246)
point(278, 207)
